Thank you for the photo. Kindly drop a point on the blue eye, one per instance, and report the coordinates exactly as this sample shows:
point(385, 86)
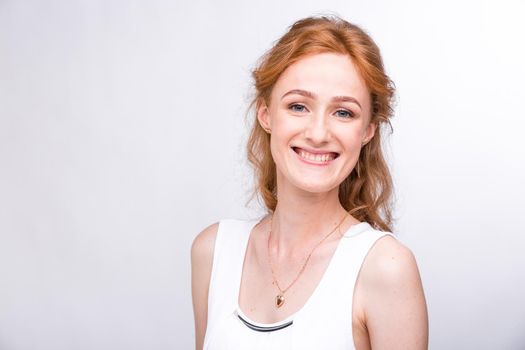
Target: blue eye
point(344, 113)
point(297, 107)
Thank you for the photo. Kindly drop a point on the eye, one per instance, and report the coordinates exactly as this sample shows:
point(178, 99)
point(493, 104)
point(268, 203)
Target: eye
point(343, 113)
point(296, 107)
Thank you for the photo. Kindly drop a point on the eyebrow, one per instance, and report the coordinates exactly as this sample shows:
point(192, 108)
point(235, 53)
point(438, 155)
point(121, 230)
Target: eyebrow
point(313, 96)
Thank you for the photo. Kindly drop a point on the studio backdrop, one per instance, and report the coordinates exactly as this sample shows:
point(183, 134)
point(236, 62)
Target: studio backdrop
point(122, 133)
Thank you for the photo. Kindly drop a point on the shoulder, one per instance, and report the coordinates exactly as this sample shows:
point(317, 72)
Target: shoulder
point(203, 244)
point(389, 264)
point(391, 297)
point(390, 258)
point(201, 267)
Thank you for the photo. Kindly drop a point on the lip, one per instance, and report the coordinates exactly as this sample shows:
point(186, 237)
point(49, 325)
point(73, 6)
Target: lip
point(296, 150)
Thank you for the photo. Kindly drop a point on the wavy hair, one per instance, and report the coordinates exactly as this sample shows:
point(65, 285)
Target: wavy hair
point(366, 193)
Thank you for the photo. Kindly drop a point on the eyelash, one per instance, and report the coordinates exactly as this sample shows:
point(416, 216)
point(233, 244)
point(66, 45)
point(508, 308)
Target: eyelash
point(349, 114)
point(293, 106)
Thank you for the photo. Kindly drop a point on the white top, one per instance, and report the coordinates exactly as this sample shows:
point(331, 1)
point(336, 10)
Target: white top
point(324, 322)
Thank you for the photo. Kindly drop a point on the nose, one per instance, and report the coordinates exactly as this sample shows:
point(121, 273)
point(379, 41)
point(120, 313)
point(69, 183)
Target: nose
point(317, 130)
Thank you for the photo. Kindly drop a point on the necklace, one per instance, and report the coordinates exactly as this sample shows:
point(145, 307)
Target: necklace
point(279, 299)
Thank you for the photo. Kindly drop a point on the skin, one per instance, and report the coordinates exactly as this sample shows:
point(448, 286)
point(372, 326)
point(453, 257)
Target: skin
point(319, 104)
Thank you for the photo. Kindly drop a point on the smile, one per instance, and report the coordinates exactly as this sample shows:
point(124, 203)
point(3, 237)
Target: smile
point(315, 157)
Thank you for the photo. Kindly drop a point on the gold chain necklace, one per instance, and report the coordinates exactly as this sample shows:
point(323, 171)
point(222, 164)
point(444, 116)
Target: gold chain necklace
point(279, 299)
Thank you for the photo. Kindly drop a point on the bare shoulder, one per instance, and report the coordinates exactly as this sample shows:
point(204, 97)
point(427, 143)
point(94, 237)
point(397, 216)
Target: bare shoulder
point(389, 262)
point(201, 268)
point(394, 309)
point(204, 244)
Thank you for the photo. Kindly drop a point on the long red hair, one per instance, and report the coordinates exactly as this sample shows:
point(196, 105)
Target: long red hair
point(365, 194)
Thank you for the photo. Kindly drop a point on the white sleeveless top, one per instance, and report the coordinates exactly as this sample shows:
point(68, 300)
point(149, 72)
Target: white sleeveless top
point(324, 322)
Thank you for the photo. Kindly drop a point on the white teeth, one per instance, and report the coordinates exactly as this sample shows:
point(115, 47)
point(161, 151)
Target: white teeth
point(321, 158)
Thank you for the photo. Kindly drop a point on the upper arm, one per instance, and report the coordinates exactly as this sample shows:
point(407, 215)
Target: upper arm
point(394, 308)
point(201, 266)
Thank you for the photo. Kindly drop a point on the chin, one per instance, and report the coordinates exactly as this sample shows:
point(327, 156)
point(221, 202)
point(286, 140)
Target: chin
point(316, 187)
point(308, 181)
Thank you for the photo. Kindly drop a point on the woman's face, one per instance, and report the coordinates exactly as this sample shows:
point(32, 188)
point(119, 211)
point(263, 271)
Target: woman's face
point(319, 118)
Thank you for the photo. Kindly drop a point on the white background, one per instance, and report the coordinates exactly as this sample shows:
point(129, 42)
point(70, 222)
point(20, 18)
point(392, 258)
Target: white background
point(122, 130)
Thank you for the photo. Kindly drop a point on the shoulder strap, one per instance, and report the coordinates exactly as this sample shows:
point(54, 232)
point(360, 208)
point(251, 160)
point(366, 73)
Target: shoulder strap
point(331, 310)
point(228, 258)
point(353, 251)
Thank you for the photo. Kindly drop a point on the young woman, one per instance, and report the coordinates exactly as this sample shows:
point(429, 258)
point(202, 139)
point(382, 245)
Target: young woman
point(321, 270)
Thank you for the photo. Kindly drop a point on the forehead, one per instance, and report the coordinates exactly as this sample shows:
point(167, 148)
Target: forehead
point(326, 75)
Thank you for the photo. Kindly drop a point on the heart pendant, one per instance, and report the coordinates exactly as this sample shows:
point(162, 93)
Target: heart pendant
point(279, 300)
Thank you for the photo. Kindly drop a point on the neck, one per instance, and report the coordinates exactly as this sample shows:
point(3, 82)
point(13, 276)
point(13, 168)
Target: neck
point(302, 219)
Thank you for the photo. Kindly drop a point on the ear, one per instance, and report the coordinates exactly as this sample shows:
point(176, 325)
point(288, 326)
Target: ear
point(263, 116)
point(369, 133)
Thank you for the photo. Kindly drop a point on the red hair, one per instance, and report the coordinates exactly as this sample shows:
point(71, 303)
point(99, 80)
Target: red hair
point(366, 192)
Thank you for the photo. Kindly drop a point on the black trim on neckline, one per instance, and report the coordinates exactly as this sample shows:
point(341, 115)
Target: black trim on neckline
point(264, 329)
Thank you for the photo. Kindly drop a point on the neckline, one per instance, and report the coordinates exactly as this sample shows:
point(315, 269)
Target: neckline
point(348, 233)
point(265, 325)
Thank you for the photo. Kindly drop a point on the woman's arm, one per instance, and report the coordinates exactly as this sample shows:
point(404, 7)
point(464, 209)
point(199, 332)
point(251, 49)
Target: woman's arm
point(201, 265)
point(392, 298)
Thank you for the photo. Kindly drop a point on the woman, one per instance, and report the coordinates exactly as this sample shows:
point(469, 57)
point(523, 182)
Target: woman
point(321, 270)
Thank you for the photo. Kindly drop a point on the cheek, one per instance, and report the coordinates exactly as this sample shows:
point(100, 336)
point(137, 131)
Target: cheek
point(284, 130)
point(279, 149)
point(273, 148)
point(351, 139)
point(276, 144)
